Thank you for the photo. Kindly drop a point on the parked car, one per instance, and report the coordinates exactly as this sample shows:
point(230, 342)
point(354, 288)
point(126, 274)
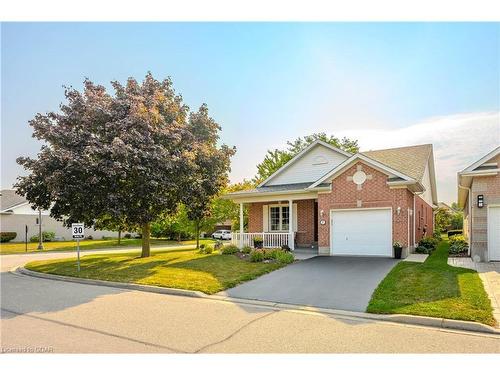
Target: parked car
point(222, 234)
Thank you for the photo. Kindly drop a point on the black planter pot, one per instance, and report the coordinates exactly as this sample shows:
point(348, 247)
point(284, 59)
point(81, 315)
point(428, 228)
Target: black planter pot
point(397, 252)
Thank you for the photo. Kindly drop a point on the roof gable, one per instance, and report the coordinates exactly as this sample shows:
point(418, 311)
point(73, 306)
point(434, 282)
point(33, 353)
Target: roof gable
point(480, 164)
point(308, 165)
point(9, 199)
point(397, 176)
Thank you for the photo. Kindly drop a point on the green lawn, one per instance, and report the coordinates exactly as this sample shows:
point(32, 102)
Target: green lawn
point(433, 288)
point(19, 247)
point(180, 268)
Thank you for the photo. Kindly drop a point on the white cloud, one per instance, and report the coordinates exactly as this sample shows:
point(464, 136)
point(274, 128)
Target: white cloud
point(458, 140)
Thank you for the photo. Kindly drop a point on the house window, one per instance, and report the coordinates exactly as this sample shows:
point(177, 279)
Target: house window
point(279, 218)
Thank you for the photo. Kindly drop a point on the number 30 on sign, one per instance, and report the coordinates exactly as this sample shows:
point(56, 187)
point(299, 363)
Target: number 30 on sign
point(78, 230)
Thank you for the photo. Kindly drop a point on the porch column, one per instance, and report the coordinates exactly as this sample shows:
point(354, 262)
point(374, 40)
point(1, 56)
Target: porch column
point(291, 242)
point(241, 225)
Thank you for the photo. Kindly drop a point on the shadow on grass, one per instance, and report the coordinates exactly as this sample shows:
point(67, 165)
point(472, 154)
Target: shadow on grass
point(184, 269)
point(433, 288)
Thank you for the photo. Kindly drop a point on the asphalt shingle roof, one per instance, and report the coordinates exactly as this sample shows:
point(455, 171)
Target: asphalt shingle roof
point(411, 160)
point(278, 188)
point(9, 198)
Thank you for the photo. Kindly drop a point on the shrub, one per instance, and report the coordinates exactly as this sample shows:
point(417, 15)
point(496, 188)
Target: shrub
point(284, 257)
point(286, 248)
point(429, 243)
point(206, 249)
point(258, 242)
point(246, 249)
point(437, 235)
point(46, 237)
point(422, 250)
point(7, 236)
point(256, 255)
point(270, 253)
point(452, 233)
point(458, 244)
point(218, 244)
point(229, 249)
point(127, 236)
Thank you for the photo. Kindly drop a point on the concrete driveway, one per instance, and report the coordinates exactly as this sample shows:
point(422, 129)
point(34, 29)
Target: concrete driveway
point(343, 283)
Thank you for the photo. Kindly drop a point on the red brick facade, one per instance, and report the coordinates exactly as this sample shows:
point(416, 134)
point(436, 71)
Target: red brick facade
point(424, 219)
point(374, 192)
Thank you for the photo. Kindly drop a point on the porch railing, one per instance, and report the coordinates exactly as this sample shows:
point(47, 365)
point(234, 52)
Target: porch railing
point(270, 240)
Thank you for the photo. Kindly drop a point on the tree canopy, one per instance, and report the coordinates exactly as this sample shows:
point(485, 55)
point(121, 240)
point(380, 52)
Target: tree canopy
point(276, 158)
point(128, 157)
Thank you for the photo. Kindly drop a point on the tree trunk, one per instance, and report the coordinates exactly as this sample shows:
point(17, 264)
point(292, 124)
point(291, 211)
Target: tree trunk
point(146, 233)
point(197, 234)
point(119, 237)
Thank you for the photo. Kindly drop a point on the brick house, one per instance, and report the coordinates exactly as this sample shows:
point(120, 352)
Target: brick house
point(479, 198)
point(343, 204)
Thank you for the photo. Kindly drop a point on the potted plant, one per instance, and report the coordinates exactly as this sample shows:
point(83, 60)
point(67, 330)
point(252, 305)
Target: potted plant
point(258, 242)
point(398, 249)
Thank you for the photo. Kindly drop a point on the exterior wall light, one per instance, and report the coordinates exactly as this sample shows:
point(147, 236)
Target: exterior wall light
point(398, 210)
point(480, 201)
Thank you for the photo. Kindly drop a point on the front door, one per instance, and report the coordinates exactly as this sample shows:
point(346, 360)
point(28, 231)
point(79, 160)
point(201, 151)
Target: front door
point(316, 221)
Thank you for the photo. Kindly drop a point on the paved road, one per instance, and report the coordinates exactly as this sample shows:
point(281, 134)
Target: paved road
point(69, 317)
point(342, 283)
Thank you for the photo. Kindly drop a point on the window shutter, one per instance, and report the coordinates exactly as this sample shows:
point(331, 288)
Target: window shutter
point(265, 218)
point(294, 213)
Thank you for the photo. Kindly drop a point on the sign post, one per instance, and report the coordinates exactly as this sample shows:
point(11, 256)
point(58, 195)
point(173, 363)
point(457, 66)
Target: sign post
point(78, 231)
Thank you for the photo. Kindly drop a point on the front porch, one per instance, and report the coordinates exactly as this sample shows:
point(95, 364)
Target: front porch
point(292, 223)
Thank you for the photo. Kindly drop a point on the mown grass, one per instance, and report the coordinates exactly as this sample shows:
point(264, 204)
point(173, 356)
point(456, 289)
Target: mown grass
point(19, 247)
point(180, 268)
point(433, 288)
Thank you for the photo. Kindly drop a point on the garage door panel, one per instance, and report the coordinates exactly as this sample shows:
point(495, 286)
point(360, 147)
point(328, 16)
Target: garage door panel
point(494, 233)
point(361, 232)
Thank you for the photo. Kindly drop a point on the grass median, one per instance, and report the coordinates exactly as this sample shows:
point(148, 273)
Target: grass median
point(175, 268)
point(433, 288)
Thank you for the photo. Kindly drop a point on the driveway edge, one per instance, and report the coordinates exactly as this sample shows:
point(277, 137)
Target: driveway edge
point(440, 323)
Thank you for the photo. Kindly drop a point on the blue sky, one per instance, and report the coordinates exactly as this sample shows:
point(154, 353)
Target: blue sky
point(266, 83)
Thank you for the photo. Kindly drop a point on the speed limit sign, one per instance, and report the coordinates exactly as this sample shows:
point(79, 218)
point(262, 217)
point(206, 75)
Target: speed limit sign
point(78, 230)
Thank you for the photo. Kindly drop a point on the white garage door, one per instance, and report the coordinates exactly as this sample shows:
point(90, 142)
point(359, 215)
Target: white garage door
point(361, 232)
point(494, 233)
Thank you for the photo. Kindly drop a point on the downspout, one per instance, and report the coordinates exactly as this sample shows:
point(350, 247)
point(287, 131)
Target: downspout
point(414, 215)
point(469, 198)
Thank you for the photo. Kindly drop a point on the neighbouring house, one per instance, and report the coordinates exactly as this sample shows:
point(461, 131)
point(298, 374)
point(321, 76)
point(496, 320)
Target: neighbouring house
point(479, 198)
point(344, 204)
point(445, 207)
point(16, 213)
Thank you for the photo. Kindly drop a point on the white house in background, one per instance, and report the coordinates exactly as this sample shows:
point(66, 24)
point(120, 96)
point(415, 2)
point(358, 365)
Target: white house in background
point(16, 213)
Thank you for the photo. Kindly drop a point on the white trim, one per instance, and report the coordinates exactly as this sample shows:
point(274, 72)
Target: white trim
point(484, 172)
point(379, 166)
point(15, 206)
point(485, 158)
point(253, 198)
point(361, 209)
point(299, 155)
point(488, 230)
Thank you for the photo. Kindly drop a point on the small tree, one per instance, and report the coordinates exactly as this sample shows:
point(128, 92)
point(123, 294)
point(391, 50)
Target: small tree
point(127, 156)
point(442, 219)
point(209, 174)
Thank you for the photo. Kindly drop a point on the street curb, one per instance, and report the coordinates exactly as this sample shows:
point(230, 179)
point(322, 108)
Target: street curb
point(440, 323)
point(114, 284)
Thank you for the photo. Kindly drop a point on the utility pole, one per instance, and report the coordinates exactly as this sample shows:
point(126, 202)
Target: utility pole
point(40, 244)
